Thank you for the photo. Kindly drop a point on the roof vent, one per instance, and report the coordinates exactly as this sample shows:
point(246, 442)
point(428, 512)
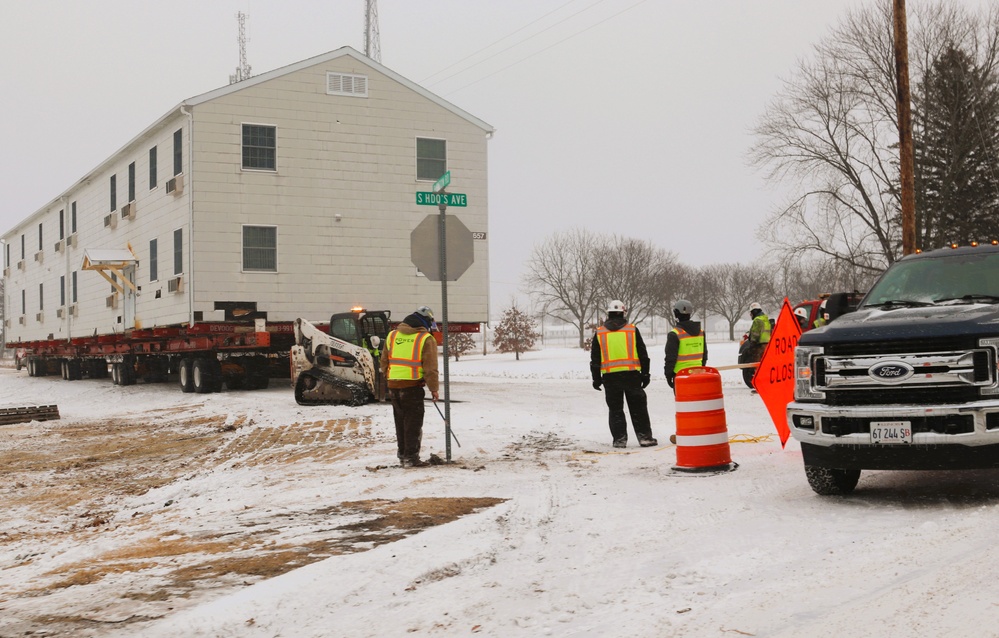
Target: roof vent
point(346, 84)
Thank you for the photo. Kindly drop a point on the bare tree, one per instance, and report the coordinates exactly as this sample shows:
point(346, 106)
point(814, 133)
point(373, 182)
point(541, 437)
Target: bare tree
point(634, 272)
point(735, 287)
point(562, 277)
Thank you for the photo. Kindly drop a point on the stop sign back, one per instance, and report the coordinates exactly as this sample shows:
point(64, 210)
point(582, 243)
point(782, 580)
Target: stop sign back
point(425, 247)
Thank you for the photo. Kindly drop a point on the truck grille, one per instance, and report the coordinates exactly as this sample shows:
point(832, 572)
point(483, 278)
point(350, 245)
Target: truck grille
point(935, 344)
point(910, 377)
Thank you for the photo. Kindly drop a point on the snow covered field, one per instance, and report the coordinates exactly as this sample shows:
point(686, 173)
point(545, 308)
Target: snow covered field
point(549, 530)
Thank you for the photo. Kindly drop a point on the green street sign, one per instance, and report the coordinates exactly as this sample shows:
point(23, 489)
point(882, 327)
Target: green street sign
point(442, 183)
point(436, 199)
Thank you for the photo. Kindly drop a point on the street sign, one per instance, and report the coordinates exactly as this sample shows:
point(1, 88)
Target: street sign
point(425, 247)
point(774, 378)
point(442, 182)
point(424, 198)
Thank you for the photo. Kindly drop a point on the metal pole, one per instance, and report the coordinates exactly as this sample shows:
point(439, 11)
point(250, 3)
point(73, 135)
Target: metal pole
point(442, 238)
point(906, 162)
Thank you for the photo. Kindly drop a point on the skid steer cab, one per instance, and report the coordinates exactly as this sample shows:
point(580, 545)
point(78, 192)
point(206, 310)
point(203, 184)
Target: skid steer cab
point(338, 365)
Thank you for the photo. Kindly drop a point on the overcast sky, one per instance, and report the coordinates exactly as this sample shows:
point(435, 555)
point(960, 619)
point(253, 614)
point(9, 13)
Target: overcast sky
point(626, 116)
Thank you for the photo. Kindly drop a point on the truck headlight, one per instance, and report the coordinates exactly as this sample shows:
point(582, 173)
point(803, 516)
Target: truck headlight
point(804, 386)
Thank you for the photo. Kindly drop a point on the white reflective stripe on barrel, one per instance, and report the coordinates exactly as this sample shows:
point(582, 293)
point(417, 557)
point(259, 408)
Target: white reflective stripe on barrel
point(700, 406)
point(704, 439)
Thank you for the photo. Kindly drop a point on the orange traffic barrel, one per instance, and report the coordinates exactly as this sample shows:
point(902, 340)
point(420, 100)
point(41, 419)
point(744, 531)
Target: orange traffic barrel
point(701, 430)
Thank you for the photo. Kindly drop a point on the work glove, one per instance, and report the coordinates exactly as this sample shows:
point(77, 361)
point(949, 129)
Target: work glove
point(670, 379)
point(596, 384)
point(646, 380)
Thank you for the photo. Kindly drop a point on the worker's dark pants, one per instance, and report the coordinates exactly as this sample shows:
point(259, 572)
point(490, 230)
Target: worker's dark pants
point(407, 408)
point(619, 386)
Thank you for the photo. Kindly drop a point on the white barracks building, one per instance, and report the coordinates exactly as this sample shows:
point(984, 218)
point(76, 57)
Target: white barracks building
point(292, 193)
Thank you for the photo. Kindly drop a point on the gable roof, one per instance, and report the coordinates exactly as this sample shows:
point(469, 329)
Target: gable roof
point(252, 81)
point(333, 55)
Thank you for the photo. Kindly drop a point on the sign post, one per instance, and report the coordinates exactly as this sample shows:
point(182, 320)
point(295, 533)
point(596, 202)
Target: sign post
point(774, 378)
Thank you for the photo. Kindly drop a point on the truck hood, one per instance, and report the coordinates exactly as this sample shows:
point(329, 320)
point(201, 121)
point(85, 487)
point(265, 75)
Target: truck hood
point(929, 322)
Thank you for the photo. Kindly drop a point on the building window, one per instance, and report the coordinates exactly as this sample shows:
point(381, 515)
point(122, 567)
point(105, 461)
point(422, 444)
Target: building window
point(431, 159)
point(178, 251)
point(24, 306)
point(178, 152)
point(22, 247)
point(41, 297)
point(62, 290)
point(260, 147)
point(154, 266)
point(72, 217)
point(74, 286)
point(152, 168)
point(260, 248)
point(6, 254)
point(114, 192)
point(62, 224)
point(41, 240)
point(131, 182)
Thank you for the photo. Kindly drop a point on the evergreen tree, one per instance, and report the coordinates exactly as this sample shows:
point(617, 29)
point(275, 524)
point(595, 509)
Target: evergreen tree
point(515, 332)
point(956, 149)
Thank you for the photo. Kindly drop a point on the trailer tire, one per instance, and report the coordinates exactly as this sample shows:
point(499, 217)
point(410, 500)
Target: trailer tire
point(64, 369)
point(31, 367)
point(116, 373)
point(184, 374)
point(829, 481)
point(201, 376)
point(126, 373)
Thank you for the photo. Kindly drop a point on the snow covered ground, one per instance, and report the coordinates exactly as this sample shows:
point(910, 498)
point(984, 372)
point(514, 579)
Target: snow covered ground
point(564, 535)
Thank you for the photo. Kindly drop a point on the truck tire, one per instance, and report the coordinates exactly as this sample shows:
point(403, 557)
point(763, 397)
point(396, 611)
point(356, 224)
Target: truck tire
point(830, 482)
point(116, 373)
point(185, 376)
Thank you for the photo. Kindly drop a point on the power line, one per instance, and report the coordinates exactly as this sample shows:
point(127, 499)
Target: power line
point(485, 77)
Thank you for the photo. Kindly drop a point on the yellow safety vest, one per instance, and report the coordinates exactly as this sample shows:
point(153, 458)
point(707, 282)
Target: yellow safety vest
point(821, 321)
point(691, 350)
point(763, 331)
point(618, 350)
point(405, 355)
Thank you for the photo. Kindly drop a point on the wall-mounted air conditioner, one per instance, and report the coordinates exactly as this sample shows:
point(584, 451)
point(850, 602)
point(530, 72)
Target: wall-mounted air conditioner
point(22, 320)
point(111, 221)
point(111, 301)
point(175, 185)
point(40, 317)
point(60, 312)
point(20, 265)
point(175, 285)
point(60, 245)
point(128, 211)
point(6, 272)
point(71, 240)
point(40, 256)
point(72, 310)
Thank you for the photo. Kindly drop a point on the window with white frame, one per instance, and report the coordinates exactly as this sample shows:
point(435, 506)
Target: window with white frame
point(260, 248)
point(431, 158)
point(260, 147)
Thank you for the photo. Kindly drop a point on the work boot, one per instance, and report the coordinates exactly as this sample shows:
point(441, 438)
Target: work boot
point(620, 442)
point(649, 442)
point(403, 462)
point(416, 462)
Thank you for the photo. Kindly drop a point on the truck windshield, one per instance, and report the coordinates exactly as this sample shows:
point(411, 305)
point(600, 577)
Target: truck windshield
point(970, 278)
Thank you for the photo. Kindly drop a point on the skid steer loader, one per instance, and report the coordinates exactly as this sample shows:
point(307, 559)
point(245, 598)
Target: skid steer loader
point(340, 367)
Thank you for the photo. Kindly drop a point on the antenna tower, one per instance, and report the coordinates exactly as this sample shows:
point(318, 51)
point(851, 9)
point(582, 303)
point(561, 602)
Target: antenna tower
point(372, 41)
point(243, 70)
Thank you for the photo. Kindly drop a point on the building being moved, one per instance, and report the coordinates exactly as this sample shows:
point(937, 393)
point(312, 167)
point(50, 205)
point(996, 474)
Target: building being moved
point(289, 194)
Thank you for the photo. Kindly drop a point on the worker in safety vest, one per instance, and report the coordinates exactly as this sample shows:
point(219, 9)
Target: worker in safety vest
point(759, 331)
point(620, 363)
point(408, 363)
point(801, 314)
point(685, 344)
point(823, 316)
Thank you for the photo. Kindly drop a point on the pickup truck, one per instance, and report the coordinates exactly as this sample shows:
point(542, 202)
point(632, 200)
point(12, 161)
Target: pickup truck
point(907, 381)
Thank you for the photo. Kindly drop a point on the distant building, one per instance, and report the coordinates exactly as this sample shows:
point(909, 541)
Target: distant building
point(292, 193)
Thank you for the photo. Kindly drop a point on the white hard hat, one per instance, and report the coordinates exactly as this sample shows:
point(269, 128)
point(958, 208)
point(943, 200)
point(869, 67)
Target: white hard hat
point(616, 306)
point(683, 307)
point(755, 306)
point(425, 311)
point(801, 312)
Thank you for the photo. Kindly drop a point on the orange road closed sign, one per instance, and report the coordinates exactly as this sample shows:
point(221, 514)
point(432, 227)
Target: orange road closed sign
point(774, 378)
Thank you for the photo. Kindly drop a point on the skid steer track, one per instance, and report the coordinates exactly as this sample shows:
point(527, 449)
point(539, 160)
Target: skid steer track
point(318, 387)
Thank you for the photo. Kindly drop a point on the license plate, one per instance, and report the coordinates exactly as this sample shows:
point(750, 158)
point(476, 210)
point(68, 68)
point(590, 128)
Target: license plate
point(891, 432)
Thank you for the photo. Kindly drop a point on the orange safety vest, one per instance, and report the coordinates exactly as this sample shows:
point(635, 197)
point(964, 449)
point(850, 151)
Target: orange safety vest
point(691, 350)
point(618, 350)
point(405, 355)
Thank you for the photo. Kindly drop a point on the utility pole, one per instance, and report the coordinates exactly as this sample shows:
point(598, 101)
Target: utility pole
point(903, 105)
point(372, 40)
point(243, 70)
